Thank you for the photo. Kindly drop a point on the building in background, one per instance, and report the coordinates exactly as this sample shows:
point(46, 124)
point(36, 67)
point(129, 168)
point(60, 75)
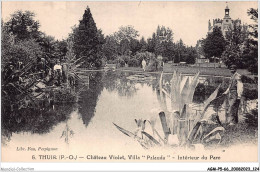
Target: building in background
point(224, 24)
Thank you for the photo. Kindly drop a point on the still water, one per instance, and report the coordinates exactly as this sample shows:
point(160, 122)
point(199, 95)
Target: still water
point(87, 126)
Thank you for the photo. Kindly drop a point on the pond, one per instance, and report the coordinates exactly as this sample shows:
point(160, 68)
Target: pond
point(86, 127)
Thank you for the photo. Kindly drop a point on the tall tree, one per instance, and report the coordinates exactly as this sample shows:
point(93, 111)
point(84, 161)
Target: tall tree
point(143, 45)
point(242, 45)
point(126, 33)
point(87, 42)
point(214, 44)
point(151, 43)
point(235, 39)
point(191, 55)
point(179, 51)
point(23, 25)
point(252, 56)
point(17, 47)
point(110, 48)
point(161, 42)
point(124, 47)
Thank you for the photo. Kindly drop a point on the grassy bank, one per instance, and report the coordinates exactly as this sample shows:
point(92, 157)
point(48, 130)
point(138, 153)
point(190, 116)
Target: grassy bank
point(184, 70)
point(192, 70)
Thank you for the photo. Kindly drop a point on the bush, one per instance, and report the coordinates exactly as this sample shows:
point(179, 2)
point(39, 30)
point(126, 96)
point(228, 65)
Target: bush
point(153, 65)
point(252, 118)
point(144, 55)
point(246, 79)
point(165, 59)
point(125, 58)
point(133, 63)
point(250, 91)
point(111, 62)
point(120, 62)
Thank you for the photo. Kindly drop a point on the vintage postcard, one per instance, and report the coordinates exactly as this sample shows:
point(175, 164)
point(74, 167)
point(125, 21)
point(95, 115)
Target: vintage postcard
point(140, 81)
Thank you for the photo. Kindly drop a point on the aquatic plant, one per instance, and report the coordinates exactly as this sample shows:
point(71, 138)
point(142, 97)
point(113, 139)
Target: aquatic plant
point(180, 126)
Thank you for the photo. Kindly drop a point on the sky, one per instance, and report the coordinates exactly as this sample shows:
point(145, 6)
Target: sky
point(188, 20)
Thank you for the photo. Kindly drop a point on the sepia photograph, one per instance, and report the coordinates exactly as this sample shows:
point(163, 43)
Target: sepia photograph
point(129, 81)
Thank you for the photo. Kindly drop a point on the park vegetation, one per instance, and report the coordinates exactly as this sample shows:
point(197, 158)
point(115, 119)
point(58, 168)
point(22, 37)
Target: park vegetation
point(238, 48)
point(28, 55)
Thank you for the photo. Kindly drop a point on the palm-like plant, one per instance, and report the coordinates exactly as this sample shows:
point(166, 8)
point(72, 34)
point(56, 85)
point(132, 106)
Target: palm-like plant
point(177, 129)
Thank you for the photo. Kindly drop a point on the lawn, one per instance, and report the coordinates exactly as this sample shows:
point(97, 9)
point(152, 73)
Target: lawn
point(185, 70)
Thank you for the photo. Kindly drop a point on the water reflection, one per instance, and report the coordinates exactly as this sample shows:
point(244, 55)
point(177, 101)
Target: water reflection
point(117, 81)
point(89, 97)
point(35, 121)
point(43, 120)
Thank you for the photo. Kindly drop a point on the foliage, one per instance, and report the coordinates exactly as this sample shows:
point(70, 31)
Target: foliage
point(125, 43)
point(64, 96)
point(143, 45)
point(135, 46)
point(252, 57)
point(253, 13)
point(126, 33)
point(26, 54)
point(22, 42)
point(233, 55)
point(124, 47)
point(153, 65)
point(120, 62)
point(133, 63)
point(87, 41)
point(23, 51)
point(191, 56)
point(242, 49)
point(177, 133)
point(147, 56)
point(250, 92)
point(110, 48)
point(161, 42)
point(23, 25)
point(214, 44)
point(164, 34)
point(185, 96)
point(151, 43)
point(252, 118)
point(199, 48)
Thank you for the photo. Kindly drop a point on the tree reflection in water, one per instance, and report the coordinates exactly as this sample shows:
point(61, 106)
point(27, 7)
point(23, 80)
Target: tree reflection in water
point(32, 120)
point(117, 81)
point(43, 119)
point(89, 97)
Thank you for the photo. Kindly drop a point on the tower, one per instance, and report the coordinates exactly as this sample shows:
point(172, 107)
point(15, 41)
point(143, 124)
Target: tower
point(227, 12)
point(227, 22)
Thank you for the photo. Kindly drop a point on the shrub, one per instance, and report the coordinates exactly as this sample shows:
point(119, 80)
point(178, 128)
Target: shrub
point(111, 62)
point(250, 91)
point(144, 55)
point(246, 79)
point(120, 62)
point(252, 118)
point(133, 63)
point(125, 58)
point(153, 65)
